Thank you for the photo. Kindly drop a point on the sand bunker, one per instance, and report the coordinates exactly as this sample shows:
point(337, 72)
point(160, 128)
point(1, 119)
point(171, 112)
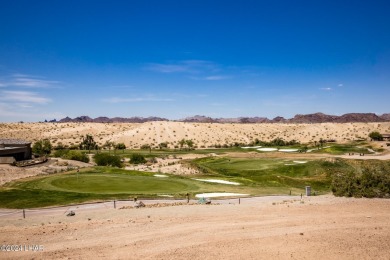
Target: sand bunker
point(218, 181)
point(219, 194)
point(300, 161)
point(160, 176)
point(250, 147)
point(288, 150)
point(267, 149)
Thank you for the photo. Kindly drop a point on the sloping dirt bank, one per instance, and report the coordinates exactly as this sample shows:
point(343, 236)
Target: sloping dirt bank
point(322, 227)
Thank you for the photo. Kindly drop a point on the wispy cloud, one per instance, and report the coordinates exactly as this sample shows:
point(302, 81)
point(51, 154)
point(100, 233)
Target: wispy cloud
point(8, 112)
point(115, 100)
point(212, 78)
point(186, 66)
point(341, 85)
point(25, 97)
point(326, 89)
point(217, 77)
point(29, 81)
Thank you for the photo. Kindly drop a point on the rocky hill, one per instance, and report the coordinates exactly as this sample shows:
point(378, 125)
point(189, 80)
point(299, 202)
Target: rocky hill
point(87, 119)
point(300, 119)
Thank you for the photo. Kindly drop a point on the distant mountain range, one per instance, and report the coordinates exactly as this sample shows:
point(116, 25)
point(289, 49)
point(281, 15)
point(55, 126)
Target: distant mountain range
point(309, 118)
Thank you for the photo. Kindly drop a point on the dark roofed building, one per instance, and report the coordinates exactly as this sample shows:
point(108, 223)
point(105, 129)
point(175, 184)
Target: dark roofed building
point(16, 148)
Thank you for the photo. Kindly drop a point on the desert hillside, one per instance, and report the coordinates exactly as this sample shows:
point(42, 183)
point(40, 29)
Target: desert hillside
point(203, 134)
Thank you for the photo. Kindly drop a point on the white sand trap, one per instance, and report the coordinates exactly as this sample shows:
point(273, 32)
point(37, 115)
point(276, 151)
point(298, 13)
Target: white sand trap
point(288, 150)
point(167, 196)
point(289, 164)
point(250, 147)
point(218, 181)
point(267, 149)
point(300, 161)
point(160, 176)
point(211, 195)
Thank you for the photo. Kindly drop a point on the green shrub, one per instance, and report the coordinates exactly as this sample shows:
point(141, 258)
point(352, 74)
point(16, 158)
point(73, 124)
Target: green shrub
point(376, 136)
point(137, 158)
point(42, 147)
point(60, 153)
point(76, 155)
point(103, 159)
point(72, 155)
point(370, 181)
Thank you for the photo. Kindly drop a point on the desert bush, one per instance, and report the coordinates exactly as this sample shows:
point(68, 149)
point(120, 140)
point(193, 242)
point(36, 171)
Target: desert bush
point(42, 147)
point(368, 180)
point(103, 159)
point(71, 155)
point(145, 147)
point(137, 158)
point(120, 146)
point(88, 143)
point(76, 155)
point(376, 136)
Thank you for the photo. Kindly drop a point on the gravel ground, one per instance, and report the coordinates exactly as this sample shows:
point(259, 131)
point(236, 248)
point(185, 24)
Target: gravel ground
point(321, 227)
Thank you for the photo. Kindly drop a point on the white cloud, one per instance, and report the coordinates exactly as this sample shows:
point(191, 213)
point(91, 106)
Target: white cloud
point(341, 85)
point(186, 66)
point(23, 97)
point(132, 100)
point(326, 89)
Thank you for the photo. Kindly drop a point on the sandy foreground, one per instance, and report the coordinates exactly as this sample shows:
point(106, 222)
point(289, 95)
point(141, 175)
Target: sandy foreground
point(322, 227)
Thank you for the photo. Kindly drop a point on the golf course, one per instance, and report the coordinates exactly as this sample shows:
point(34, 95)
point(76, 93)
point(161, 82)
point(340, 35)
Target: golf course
point(237, 172)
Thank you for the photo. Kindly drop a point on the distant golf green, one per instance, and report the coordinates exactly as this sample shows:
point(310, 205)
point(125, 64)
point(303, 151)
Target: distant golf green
point(114, 184)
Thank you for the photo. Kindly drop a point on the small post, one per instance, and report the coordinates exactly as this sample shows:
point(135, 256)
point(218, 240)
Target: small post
point(24, 213)
point(301, 195)
point(188, 198)
point(114, 204)
point(239, 201)
point(290, 192)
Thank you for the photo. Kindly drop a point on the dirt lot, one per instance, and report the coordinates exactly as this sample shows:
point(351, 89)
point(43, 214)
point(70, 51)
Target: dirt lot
point(322, 227)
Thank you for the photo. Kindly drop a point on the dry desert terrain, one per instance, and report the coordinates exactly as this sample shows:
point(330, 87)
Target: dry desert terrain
point(134, 135)
point(322, 227)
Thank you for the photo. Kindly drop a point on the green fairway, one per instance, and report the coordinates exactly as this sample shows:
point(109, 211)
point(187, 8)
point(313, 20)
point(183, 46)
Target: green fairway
point(102, 183)
point(279, 174)
point(112, 184)
point(343, 149)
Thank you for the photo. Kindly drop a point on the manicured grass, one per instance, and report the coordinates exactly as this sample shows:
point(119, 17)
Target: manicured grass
point(165, 152)
point(338, 149)
point(278, 173)
point(102, 183)
point(257, 176)
point(112, 184)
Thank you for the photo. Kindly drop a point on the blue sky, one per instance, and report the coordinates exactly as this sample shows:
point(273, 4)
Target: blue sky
point(182, 58)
